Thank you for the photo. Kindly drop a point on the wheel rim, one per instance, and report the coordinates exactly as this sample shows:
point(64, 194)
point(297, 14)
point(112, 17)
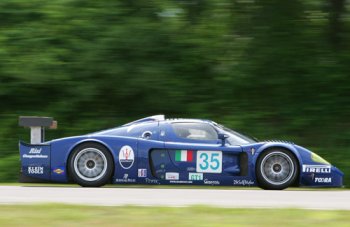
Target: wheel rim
point(277, 168)
point(90, 164)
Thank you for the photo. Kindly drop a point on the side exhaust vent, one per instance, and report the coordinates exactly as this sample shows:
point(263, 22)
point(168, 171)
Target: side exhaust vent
point(243, 160)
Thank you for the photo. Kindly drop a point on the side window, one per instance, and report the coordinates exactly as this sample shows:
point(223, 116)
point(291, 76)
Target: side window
point(195, 131)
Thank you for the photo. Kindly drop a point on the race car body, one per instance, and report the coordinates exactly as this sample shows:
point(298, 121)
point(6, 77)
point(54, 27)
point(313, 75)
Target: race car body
point(155, 150)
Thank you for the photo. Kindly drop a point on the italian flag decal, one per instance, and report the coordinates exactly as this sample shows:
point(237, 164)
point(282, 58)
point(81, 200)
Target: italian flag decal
point(184, 156)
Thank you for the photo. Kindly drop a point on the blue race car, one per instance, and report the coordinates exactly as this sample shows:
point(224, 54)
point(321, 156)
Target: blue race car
point(155, 150)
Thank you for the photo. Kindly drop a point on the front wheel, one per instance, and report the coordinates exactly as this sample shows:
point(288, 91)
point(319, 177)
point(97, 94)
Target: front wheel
point(91, 165)
point(276, 169)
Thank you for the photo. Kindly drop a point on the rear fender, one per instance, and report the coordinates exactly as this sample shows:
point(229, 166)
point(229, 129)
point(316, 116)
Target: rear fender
point(61, 151)
point(89, 140)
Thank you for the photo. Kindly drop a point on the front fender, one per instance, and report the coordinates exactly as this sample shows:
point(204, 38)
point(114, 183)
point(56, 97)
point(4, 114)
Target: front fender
point(318, 174)
point(289, 146)
point(311, 173)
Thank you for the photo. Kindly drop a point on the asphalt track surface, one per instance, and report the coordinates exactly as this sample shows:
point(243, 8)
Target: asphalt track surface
point(307, 199)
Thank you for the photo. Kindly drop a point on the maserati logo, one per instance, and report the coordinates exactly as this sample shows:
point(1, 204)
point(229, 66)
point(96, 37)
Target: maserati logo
point(126, 157)
point(126, 154)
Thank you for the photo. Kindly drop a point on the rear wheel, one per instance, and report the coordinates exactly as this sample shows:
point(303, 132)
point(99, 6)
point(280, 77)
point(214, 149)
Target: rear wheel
point(91, 165)
point(276, 169)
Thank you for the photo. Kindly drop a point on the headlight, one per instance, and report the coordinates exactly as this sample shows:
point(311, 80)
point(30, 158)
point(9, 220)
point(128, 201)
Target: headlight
point(319, 159)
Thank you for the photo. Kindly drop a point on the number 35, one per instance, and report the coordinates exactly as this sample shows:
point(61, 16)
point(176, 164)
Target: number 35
point(209, 161)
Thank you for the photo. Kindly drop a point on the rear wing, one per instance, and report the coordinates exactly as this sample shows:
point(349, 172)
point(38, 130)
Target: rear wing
point(37, 127)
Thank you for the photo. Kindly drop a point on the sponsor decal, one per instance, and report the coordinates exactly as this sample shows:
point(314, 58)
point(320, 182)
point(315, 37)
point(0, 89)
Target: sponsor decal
point(35, 170)
point(243, 182)
point(35, 150)
point(316, 168)
point(125, 179)
point(162, 133)
point(195, 176)
point(184, 156)
point(126, 157)
point(191, 169)
point(323, 180)
point(34, 156)
point(34, 153)
point(171, 176)
point(58, 171)
point(209, 162)
point(142, 173)
point(160, 171)
point(151, 181)
point(252, 150)
point(181, 182)
point(212, 182)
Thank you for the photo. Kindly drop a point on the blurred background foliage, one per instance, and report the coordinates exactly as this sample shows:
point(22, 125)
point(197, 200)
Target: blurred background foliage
point(270, 68)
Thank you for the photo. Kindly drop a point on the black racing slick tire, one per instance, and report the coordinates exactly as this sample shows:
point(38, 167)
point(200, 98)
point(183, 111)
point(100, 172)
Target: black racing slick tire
point(91, 165)
point(276, 169)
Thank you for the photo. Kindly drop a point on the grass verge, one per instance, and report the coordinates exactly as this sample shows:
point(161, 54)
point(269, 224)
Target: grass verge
point(73, 215)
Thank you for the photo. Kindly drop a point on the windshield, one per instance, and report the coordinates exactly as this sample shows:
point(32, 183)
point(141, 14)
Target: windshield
point(235, 138)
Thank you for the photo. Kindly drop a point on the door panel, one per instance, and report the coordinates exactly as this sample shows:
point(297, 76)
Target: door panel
point(189, 159)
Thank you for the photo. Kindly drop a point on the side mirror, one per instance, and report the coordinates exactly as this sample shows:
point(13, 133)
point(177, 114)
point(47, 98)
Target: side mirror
point(223, 138)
